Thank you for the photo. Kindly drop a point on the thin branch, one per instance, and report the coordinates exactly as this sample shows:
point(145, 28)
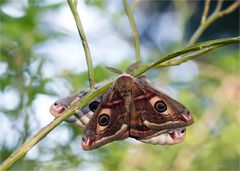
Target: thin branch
point(76, 3)
point(205, 11)
point(134, 4)
point(215, 15)
point(19, 153)
point(230, 9)
point(200, 46)
point(188, 57)
point(219, 6)
point(76, 16)
point(134, 30)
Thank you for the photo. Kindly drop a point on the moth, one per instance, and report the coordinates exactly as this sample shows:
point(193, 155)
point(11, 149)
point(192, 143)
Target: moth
point(134, 108)
point(83, 115)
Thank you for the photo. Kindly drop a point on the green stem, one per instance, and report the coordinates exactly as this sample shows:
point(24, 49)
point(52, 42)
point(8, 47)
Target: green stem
point(84, 42)
point(134, 4)
point(219, 6)
point(205, 11)
point(200, 46)
point(134, 30)
point(19, 153)
point(188, 57)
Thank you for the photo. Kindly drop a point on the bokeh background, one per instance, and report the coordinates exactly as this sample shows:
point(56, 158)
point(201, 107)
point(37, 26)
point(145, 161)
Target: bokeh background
point(42, 59)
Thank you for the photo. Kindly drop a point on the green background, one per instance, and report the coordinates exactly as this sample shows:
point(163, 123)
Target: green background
point(212, 93)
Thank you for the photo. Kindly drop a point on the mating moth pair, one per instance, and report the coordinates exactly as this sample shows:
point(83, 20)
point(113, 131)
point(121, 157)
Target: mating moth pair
point(132, 107)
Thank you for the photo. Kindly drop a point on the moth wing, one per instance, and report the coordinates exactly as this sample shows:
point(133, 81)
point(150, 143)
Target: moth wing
point(156, 110)
point(173, 137)
point(109, 122)
point(85, 113)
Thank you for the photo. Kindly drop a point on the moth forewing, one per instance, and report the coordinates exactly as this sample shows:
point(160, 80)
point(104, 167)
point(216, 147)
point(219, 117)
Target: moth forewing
point(109, 122)
point(89, 144)
point(159, 111)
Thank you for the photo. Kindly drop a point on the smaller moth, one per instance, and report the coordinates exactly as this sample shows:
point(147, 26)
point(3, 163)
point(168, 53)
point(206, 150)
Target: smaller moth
point(82, 116)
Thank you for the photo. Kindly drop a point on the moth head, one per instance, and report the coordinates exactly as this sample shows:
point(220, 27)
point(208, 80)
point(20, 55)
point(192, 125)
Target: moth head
point(59, 106)
point(62, 104)
point(124, 84)
point(165, 113)
point(103, 128)
point(82, 115)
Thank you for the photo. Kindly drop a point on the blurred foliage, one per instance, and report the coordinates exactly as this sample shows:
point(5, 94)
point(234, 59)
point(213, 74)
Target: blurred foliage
point(212, 95)
point(96, 3)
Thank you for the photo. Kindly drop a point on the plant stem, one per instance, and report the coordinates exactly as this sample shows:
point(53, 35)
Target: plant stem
point(200, 46)
point(215, 15)
point(19, 153)
point(134, 30)
point(219, 6)
point(134, 4)
point(84, 42)
point(188, 57)
point(230, 9)
point(205, 11)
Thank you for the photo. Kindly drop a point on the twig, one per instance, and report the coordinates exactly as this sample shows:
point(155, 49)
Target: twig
point(219, 6)
point(230, 9)
point(205, 11)
point(215, 15)
point(84, 42)
point(76, 3)
point(187, 57)
point(134, 30)
point(200, 46)
point(134, 4)
point(19, 153)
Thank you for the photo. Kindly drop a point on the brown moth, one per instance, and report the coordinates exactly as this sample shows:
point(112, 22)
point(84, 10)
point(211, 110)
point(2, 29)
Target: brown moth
point(83, 115)
point(133, 108)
